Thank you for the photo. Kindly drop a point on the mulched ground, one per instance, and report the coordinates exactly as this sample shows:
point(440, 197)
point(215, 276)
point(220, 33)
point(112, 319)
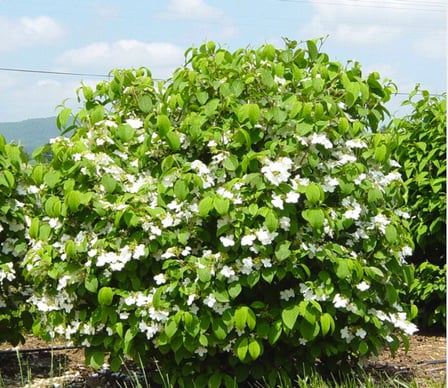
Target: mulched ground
point(425, 363)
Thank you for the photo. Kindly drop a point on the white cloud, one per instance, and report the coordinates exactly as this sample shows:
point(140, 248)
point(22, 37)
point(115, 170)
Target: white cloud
point(370, 22)
point(25, 32)
point(24, 99)
point(432, 45)
point(191, 10)
point(160, 58)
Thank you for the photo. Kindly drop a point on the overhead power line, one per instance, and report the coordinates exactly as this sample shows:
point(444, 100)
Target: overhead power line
point(430, 6)
point(53, 72)
point(107, 76)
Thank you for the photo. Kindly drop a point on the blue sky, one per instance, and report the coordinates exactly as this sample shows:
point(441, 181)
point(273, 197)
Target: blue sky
point(404, 40)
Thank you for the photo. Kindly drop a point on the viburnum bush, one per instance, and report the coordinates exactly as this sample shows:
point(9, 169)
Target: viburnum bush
point(239, 220)
point(15, 317)
point(421, 152)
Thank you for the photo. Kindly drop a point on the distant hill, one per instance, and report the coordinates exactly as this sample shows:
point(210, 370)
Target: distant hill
point(31, 133)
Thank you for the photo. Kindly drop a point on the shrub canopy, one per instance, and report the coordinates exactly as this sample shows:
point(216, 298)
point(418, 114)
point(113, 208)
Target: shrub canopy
point(240, 219)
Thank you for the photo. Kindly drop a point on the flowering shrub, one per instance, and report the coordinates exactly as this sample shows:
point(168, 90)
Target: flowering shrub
point(14, 315)
point(421, 151)
point(238, 220)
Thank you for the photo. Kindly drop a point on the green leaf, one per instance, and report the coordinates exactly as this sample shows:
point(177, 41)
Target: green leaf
point(240, 317)
point(73, 200)
point(52, 178)
point(352, 94)
point(254, 348)
point(221, 205)
point(62, 118)
point(249, 112)
point(34, 228)
point(342, 268)
point(271, 221)
point(327, 323)
point(314, 193)
point(7, 179)
point(380, 153)
point(234, 289)
point(231, 163)
point(163, 125)
point(242, 349)
point(363, 348)
point(125, 132)
point(219, 329)
point(211, 106)
point(282, 251)
point(109, 183)
point(91, 283)
point(308, 330)
point(215, 380)
point(204, 275)
point(312, 49)
point(105, 296)
point(289, 316)
point(173, 140)
point(145, 103)
point(170, 327)
point(205, 206)
point(315, 217)
point(181, 189)
point(97, 114)
point(391, 234)
point(53, 206)
point(94, 358)
point(275, 332)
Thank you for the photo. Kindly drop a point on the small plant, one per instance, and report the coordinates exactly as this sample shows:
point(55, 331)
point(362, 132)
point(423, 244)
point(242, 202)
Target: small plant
point(421, 152)
point(15, 317)
point(428, 291)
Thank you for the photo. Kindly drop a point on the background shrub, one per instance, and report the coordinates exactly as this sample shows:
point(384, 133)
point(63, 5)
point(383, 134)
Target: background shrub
point(239, 220)
point(15, 318)
point(421, 152)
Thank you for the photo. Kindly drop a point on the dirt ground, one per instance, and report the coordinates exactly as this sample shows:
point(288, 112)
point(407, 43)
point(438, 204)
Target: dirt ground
point(425, 362)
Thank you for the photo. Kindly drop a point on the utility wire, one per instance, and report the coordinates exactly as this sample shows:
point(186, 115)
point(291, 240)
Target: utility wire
point(52, 72)
point(431, 7)
point(107, 76)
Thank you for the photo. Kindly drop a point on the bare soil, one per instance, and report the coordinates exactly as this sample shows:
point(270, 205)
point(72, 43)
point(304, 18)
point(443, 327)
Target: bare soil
point(425, 363)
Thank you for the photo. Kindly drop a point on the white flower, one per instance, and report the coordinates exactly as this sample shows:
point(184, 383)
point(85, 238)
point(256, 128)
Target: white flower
point(201, 351)
point(210, 300)
point(381, 222)
point(247, 266)
point(340, 301)
point(321, 138)
point(227, 241)
point(248, 240)
point(135, 123)
point(266, 237)
point(363, 286)
point(277, 201)
point(160, 279)
point(303, 341)
point(346, 334)
point(266, 263)
point(139, 251)
point(361, 333)
point(353, 213)
point(285, 223)
point(277, 172)
point(191, 299)
point(292, 197)
point(287, 294)
point(355, 143)
point(227, 271)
